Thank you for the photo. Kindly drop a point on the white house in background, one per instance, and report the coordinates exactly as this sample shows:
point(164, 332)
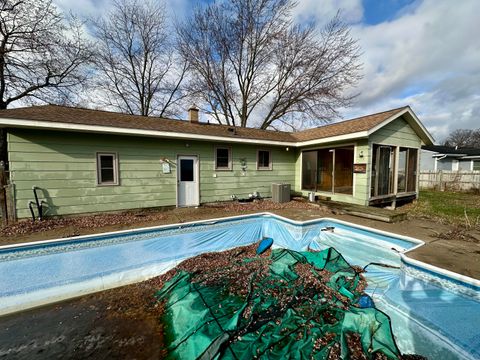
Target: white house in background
point(446, 158)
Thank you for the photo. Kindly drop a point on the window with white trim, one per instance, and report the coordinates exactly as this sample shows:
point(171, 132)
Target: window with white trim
point(107, 169)
point(476, 165)
point(264, 160)
point(223, 158)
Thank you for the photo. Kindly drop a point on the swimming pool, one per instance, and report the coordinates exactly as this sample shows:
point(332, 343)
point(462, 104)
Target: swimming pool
point(427, 305)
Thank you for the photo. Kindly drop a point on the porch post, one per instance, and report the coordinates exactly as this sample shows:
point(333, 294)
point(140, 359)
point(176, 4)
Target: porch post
point(395, 175)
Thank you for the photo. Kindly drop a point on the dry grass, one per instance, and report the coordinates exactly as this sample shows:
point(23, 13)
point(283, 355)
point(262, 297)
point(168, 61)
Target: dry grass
point(456, 208)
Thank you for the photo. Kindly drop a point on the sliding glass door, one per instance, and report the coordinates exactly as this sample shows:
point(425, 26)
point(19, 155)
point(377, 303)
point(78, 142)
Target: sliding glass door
point(343, 174)
point(325, 170)
point(309, 170)
point(329, 170)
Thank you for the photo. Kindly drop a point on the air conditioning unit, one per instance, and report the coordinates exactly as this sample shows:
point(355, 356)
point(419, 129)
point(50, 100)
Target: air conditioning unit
point(280, 193)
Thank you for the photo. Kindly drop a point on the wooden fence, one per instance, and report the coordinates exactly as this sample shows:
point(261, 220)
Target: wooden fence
point(7, 202)
point(450, 180)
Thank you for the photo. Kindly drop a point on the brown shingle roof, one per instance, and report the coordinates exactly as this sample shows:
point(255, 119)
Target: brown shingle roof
point(363, 123)
point(71, 115)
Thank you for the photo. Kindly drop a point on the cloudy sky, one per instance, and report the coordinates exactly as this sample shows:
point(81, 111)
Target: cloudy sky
point(423, 53)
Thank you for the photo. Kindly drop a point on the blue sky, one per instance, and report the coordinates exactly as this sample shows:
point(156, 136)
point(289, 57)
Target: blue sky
point(422, 53)
point(376, 12)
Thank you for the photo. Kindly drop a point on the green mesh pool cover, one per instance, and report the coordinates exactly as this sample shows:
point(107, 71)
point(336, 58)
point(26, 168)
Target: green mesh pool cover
point(295, 305)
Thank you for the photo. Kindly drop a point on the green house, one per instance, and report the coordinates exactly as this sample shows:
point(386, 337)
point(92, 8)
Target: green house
point(84, 161)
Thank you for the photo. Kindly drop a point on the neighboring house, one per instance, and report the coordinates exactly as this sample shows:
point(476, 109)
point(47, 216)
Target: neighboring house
point(90, 161)
point(447, 158)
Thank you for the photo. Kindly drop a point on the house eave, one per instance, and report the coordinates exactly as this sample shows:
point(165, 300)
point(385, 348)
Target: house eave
point(48, 125)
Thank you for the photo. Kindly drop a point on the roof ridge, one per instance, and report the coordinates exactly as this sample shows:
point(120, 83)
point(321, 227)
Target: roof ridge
point(152, 117)
point(353, 119)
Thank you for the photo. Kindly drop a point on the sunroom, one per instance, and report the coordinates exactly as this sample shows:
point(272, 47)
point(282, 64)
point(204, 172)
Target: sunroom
point(375, 163)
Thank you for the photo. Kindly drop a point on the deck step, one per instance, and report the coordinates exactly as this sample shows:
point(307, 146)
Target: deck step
point(367, 212)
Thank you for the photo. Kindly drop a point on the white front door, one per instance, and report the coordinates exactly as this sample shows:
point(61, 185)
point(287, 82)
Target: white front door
point(187, 181)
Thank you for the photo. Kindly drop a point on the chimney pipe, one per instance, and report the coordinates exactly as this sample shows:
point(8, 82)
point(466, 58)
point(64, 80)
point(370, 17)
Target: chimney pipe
point(193, 114)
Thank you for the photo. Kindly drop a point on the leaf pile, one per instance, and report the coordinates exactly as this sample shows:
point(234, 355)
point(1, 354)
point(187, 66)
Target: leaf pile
point(84, 221)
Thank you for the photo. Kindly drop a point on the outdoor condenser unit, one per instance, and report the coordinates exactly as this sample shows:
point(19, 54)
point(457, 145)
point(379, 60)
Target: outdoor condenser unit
point(280, 193)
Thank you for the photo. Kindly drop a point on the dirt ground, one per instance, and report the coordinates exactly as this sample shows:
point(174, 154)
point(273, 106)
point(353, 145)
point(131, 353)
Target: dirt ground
point(90, 328)
point(83, 328)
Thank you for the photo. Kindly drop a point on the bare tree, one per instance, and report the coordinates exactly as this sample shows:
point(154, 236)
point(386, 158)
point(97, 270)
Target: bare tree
point(42, 56)
point(138, 70)
point(254, 67)
point(464, 138)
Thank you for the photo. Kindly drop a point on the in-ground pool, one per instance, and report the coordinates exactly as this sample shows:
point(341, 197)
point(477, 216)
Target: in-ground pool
point(434, 312)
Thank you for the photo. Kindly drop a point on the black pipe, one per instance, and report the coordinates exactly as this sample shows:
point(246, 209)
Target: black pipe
point(39, 204)
point(31, 210)
point(42, 206)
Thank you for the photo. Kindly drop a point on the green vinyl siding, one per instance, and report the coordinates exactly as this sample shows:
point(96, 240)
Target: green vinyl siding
point(476, 165)
point(360, 181)
point(396, 133)
point(63, 166)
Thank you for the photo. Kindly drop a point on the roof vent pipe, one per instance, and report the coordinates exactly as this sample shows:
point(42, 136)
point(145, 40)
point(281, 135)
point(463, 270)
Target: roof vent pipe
point(193, 114)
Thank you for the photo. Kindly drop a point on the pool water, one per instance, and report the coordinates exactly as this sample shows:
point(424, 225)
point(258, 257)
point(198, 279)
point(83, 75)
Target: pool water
point(432, 314)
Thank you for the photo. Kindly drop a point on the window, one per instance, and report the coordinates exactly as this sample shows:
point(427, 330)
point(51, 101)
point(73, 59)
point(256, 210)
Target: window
point(223, 158)
point(383, 174)
point(186, 170)
point(412, 170)
point(264, 160)
point(329, 170)
point(107, 169)
point(383, 160)
point(402, 170)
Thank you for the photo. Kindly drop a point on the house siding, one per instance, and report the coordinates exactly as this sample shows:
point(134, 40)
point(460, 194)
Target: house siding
point(63, 166)
point(427, 161)
point(396, 133)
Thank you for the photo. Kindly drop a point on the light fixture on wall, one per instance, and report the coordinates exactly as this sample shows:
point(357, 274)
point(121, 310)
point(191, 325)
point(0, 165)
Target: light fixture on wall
point(187, 145)
point(287, 148)
point(360, 155)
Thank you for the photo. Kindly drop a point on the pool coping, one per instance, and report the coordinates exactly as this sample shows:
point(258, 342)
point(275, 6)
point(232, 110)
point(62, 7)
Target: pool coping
point(463, 280)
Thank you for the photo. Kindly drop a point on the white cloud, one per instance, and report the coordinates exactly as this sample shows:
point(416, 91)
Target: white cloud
point(428, 58)
point(83, 7)
point(324, 11)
